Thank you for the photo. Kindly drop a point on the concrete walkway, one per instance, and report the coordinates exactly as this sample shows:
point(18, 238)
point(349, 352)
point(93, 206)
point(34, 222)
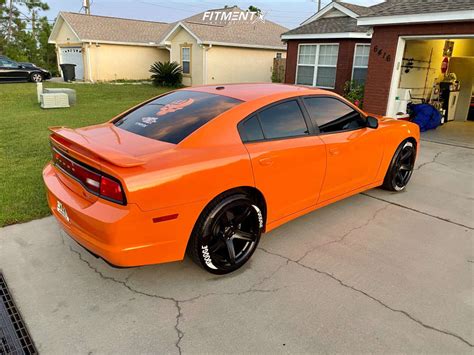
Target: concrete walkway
point(378, 272)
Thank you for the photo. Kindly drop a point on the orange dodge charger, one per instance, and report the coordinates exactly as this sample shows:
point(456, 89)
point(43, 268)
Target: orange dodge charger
point(208, 169)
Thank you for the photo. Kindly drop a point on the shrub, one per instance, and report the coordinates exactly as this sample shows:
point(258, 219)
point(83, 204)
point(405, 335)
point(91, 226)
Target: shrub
point(166, 74)
point(354, 92)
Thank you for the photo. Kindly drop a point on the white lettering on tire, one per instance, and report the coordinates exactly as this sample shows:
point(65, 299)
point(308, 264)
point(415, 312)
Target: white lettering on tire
point(207, 257)
point(260, 216)
point(398, 188)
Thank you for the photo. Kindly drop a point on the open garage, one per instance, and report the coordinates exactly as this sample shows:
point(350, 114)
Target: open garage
point(429, 51)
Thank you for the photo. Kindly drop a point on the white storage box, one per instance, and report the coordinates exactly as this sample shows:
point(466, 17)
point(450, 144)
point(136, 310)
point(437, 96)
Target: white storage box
point(54, 100)
point(71, 93)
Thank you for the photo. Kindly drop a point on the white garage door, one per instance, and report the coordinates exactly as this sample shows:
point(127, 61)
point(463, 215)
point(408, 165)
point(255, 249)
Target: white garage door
point(73, 55)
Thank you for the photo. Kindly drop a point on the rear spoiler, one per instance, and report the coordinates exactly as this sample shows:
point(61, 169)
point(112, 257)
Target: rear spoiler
point(69, 138)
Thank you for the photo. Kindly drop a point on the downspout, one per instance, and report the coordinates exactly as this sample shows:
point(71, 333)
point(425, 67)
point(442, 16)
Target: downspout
point(59, 58)
point(204, 81)
point(169, 50)
point(89, 65)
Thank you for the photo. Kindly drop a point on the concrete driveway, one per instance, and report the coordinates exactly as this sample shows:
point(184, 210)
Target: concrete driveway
point(378, 272)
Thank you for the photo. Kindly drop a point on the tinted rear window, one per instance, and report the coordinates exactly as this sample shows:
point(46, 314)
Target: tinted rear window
point(173, 117)
point(251, 130)
point(283, 120)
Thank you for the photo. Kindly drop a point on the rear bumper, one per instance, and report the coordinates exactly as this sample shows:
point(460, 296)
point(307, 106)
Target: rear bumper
point(124, 236)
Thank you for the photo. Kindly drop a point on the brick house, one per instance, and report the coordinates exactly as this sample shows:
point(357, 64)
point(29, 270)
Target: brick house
point(329, 48)
point(393, 47)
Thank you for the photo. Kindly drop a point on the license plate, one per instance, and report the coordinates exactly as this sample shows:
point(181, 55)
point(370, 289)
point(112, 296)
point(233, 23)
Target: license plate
point(62, 210)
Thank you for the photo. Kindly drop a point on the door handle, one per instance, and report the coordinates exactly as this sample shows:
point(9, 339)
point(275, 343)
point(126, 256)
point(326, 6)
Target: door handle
point(334, 151)
point(266, 161)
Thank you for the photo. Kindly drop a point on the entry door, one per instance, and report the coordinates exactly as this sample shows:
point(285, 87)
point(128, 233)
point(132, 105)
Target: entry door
point(288, 163)
point(354, 152)
point(73, 55)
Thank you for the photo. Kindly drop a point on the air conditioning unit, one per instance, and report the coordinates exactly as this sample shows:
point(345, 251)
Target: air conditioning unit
point(54, 100)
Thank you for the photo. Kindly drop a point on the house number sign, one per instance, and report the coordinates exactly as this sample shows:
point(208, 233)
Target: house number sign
point(381, 53)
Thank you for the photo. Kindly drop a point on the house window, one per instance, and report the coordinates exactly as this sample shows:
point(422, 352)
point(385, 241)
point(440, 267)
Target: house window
point(186, 59)
point(317, 65)
point(361, 63)
point(278, 55)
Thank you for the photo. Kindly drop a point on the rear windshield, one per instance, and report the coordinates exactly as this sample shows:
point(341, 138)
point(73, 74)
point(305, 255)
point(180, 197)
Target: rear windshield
point(173, 117)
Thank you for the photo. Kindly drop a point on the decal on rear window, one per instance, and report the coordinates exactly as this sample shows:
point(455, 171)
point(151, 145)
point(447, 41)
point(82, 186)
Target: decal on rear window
point(174, 106)
point(174, 116)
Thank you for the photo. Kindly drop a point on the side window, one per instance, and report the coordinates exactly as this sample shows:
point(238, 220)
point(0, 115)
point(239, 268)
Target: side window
point(332, 115)
point(283, 120)
point(250, 130)
point(8, 63)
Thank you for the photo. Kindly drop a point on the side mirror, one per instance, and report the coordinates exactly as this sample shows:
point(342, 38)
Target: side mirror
point(372, 122)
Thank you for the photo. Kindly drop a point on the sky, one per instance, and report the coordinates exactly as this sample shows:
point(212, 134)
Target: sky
point(286, 13)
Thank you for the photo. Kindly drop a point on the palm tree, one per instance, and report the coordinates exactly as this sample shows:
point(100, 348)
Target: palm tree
point(166, 74)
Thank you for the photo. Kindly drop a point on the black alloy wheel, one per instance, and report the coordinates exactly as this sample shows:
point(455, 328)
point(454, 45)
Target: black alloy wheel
point(402, 167)
point(227, 235)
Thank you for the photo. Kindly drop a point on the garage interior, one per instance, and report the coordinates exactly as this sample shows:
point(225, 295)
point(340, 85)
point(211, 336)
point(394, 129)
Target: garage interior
point(439, 72)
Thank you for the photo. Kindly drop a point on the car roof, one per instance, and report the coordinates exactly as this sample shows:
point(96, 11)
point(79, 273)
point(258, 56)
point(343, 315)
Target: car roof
point(253, 91)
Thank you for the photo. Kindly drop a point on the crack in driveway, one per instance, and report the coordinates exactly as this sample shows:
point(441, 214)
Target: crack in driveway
point(342, 283)
point(177, 302)
point(345, 235)
point(432, 161)
point(435, 161)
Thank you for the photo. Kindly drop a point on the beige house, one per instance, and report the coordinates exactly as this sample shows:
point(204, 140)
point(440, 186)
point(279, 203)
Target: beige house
point(210, 52)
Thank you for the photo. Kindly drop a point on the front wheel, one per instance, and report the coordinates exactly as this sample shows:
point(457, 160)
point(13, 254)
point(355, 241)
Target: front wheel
point(401, 167)
point(36, 77)
point(227, 234)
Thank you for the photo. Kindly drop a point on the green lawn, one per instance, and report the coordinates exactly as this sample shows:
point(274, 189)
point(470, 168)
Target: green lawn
point(24, 147)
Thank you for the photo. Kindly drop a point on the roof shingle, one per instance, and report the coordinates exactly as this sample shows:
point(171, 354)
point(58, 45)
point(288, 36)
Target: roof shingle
point(254, 33)
point(329, 25)
point(103, 28)
point(407, 7)
point(359, 10)
point(113, 29)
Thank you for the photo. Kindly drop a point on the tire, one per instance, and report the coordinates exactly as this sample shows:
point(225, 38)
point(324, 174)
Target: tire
point(401, 167)
point(226, 234)
point(36, 77)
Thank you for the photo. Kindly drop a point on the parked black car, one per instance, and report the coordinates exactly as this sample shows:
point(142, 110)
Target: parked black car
point(14, 71)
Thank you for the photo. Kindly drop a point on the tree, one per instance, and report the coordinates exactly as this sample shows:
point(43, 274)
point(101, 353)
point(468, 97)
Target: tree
point(255, 9)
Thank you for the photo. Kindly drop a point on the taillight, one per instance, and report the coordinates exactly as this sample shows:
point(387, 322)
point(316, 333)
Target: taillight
point(92, 180)
point(111, 189)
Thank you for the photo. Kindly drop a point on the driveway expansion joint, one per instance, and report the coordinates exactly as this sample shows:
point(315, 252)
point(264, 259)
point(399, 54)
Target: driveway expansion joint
point(446, 143)
point(342, 283)
point(418, 211)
